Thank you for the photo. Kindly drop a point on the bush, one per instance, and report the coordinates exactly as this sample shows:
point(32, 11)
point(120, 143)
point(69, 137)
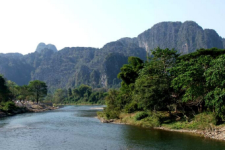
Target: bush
point(8, 106)
point(100, 114)
point(141, 115)
point(204, 121)
point(152, 121)
point(132, 107)
point(201, 121)
point(111, 114)
point(179, 125)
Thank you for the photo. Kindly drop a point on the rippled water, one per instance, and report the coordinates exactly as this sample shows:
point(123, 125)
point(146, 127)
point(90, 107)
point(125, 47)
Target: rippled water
point(76, 128)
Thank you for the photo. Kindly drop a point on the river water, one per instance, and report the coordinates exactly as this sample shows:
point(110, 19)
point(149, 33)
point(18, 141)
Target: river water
point(76, 128)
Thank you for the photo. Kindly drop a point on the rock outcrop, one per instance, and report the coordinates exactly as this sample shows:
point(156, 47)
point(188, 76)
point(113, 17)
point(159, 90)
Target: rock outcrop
point(185, 37)
point(42, 46)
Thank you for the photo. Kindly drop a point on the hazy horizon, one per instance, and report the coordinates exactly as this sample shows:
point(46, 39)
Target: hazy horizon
point(89, 23)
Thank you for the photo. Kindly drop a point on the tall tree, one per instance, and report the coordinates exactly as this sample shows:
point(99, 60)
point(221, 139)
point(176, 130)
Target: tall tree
point(215, 81)
point(38, 89)
point(4, 91)
point(23, 92)
point(13, 88)
point(129, 72)
point(152, 87)
point(60, 95)
point(166, 56)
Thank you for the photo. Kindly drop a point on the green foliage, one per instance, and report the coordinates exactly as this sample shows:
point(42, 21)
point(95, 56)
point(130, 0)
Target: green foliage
point(215, 99)
point(38, 89)
point(213, 52)
point(188, 76)
point(24, 93)
point(60, 96)
point(131, 107)
point(152, 121)
point(10, 91)
point(112, 114)
point(203, 121)
point(83, 94)
point(113, 106)
point(152, 87)
point(193, 83)
point(129, 72)
point(4, 90)
point(12, 88)
point(178, 125)
point(140, 115)
point(8, 106)
point(166, 56)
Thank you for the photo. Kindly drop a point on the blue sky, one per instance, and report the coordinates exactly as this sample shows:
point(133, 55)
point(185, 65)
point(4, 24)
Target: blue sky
point(93, 23)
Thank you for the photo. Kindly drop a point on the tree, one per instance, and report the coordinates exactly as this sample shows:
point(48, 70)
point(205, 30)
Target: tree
point(129, 72)
point(38, 89)
point(215, 82)
point(60, 96)
point(152, 87)
point(23, 92)
point(166, 56)
point(4, 91)
point(13, 88)
point(69, 92)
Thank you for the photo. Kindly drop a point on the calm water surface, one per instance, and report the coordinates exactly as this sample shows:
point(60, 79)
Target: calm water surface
point(76, 128)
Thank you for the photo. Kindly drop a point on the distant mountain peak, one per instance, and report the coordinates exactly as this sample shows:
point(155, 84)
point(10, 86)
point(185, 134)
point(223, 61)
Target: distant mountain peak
point(42, 46)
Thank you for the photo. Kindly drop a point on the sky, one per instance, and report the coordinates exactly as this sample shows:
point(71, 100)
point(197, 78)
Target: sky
point(93, 23)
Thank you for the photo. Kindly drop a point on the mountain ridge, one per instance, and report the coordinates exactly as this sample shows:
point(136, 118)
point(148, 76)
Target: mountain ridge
point(98, 67)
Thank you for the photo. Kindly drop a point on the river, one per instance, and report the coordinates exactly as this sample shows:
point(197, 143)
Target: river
point(77, 128)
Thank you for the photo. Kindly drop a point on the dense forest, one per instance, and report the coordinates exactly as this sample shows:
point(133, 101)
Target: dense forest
point(83, 94)
point(182, 85)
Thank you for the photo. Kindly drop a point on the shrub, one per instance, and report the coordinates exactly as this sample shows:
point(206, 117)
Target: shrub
point(179, 125)
point(131, 107)
point(153, 121)
point(111, 114)
point(204, 121)
point(8, 106)
point(141, 115)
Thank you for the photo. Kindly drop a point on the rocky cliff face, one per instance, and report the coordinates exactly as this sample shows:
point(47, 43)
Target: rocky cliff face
point(128, 41)
point(13, 68)
point(42, 46)
point(71, 67)
point(185, 37)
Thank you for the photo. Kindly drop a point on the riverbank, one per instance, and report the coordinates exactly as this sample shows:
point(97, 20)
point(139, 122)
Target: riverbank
point(201, 125)
point(25, 107)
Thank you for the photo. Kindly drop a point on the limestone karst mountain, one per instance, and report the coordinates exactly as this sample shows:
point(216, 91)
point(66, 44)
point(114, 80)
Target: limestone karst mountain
point(185, 37)
point(71, 67)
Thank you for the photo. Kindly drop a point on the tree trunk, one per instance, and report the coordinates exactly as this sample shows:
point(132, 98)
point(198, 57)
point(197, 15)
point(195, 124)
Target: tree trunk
point(37, 97)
